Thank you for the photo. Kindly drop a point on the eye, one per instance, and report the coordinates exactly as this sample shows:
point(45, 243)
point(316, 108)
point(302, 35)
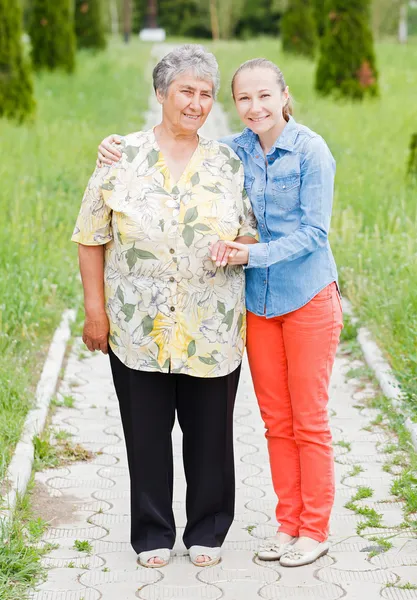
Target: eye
point(265, 95)
point(243, 98)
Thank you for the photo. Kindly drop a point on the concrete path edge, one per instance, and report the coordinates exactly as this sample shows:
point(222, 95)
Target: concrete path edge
point(20, 468)
point(388, 383)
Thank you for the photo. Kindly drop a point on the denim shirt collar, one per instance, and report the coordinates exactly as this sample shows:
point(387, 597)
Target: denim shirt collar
point(286, 141)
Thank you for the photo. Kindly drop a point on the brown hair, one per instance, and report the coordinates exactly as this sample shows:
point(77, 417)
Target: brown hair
point(264, 63)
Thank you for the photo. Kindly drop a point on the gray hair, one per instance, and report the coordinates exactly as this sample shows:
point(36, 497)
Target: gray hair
point(189, 57)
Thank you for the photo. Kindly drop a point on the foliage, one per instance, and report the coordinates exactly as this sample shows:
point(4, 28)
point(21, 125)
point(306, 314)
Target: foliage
point(347, 60)
point(16, 89)
point(51, 30)
point(89, 27)
point(298, 28)
point(258, 17)
point(319, 7)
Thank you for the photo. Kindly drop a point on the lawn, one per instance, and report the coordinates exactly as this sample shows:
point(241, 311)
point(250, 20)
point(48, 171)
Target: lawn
point(374, 227)
point(45, 167)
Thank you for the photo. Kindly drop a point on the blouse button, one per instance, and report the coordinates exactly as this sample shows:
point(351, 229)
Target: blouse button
point(174, 222)
point(283, 187)
point(172, 251)
point(172, 279)
point(172, 308)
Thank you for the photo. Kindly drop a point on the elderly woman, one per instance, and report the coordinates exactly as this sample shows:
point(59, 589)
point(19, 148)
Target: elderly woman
point(172, 322)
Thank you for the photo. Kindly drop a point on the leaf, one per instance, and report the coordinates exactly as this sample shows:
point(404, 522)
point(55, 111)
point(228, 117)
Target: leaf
point(208, 361)
point(228, 319)
point(191, 348)
point(188, 235)
point(147, 325)
point(120, 295)
point(107, 185)
point(221, 307)
point(131, 257)
point(191, 215)
point(131, 152)
point(213, 189)
point(144, 254)
point(153, 158)
point(195, 179)
point(225, 150)
point(235, 164)
point(128, 310)
point(175, 191)
point(166, 364)
point(201, 227)
point(161, 224)
point(240, 322)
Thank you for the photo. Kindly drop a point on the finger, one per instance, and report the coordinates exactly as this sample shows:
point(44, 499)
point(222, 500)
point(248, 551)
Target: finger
point(214, 250)
point(220, 254)
point(235, 245)
point(226, 254)
point(98, 163)
point(103, 347)
point(89, 344)
point(104, 160)
point(232, 253)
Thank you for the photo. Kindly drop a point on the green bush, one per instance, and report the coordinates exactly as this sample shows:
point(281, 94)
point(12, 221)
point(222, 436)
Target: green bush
point(298, 28)
point(16, 92)
point(89, 25)
point(51, 29)
point(319, 7)
point(347, 61)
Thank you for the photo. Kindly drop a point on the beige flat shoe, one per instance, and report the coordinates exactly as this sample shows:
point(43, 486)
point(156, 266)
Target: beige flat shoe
point(163, 553)
point(271, 549)
point(297, 558)
point(213, 553)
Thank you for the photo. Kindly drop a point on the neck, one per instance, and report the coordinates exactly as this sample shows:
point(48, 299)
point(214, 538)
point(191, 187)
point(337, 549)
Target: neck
point(268, 139)
point(167, 132)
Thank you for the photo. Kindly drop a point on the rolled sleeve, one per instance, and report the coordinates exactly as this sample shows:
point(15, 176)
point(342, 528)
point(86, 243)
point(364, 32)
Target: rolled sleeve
point(258, 256)
point(93, 226)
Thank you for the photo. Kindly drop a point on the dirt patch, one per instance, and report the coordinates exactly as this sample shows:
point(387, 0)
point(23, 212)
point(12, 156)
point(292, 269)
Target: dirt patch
point(54, 510)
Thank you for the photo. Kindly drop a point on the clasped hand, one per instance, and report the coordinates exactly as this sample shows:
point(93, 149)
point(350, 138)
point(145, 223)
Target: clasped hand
point(229, 253)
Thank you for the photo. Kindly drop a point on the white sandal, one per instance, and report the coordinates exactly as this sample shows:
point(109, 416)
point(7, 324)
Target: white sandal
point(213, 553)
point(297, 558)
point(163, 553)
point(271, 549)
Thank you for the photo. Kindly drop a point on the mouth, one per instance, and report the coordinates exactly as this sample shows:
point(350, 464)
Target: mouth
point(258, 119)
point(192, 117)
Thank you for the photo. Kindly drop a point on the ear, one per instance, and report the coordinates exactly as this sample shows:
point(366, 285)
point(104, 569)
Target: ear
point(286, 94)
point(160, 97)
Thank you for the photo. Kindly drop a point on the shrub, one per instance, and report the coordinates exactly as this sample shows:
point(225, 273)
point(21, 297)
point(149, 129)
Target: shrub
point(347, 61)
point(89, 25)
point(298, 28)
point(51, 29)
point(16, 90)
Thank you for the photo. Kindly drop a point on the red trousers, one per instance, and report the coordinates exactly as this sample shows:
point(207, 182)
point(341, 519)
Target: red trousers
point(291, 359)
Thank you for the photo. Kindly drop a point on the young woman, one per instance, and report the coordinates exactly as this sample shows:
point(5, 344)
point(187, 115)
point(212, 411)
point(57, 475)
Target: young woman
point(294, 309)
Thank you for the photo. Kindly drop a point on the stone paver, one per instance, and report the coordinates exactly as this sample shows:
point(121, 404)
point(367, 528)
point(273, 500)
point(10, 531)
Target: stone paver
point(98, 492)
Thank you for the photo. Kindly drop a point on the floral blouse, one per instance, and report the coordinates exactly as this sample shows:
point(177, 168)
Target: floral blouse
point(170, 308)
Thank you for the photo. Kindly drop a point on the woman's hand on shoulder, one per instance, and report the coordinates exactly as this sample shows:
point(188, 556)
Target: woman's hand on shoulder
point(107, 151)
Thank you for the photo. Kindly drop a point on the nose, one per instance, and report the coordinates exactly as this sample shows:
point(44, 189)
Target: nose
point(195, 103)
point(256, 105)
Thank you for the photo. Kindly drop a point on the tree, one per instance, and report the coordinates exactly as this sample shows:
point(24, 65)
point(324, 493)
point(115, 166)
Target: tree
point(89, 27)
point(347, 60)
point(16, 90)
point(319, 7)
point(51, 29)
point(298, 28)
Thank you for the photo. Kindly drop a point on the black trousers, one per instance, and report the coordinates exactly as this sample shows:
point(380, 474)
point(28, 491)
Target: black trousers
point(148, 401)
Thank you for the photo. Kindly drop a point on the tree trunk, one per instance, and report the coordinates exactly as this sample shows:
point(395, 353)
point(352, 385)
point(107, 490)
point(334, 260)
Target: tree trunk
point(152, 14)
point(403, 25)
point(214, 20)
point(127, 19)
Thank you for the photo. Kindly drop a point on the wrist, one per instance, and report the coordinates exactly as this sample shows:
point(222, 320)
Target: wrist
point(94, 311)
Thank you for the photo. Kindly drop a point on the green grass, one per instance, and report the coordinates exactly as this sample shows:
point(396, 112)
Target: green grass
point(83, 546)
point(43, 173)
point(375, 213)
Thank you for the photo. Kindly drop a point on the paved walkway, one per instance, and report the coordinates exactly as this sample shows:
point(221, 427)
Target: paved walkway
point(89, 502)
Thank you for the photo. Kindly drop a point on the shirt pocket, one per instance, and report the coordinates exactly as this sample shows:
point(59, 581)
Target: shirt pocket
point(286, 191)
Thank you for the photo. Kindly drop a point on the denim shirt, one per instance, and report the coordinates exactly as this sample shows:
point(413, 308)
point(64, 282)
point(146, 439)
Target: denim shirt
point(291, 192)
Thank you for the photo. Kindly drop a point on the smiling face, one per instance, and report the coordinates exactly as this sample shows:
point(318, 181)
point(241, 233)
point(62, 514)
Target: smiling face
point(259, 99)
point(187, 103)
